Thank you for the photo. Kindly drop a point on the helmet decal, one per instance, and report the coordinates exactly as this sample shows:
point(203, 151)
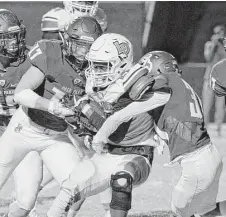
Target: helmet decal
point(122, 48)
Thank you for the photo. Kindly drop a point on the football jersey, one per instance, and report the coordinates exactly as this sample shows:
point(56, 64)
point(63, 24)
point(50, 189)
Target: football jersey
point(60, 81)
point(180, 121)
point(8, 83)
point(137, 130)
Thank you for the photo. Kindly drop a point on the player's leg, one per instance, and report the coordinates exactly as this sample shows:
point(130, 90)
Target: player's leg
point(27, 179)
point(189, 195)
point(88, 178)
point(75, 208)
point(209, 182)
point(70, 192)
point(132, 171)
point(47, 183)
point(219, 112)
point(60, 157)
point(207, 99)
point(105, 199)
point(13, 146)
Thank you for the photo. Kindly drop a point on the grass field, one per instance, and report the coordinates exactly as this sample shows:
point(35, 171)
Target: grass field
point(151, 198)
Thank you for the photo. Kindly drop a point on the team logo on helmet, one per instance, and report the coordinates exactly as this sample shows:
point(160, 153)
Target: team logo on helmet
point(122, 48)
point(146, 61)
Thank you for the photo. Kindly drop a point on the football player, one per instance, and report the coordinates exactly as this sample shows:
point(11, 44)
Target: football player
point(12, 53)
point(71, 11)
point(26, 191)
point(218, 84)
point(38, 125)
point(128, 162)
point(179, 123)
point(81, 8)
point(176, 109)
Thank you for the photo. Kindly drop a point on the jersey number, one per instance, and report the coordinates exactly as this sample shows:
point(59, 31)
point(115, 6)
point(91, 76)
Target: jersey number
point(35, 51)
point(195, 104)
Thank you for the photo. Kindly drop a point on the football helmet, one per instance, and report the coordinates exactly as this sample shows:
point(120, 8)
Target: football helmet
point(12, 37)
point(109, 58)
point(78, 38)
point(55, 20)
point(157, 62)
point(218, 78)
point(81, 8)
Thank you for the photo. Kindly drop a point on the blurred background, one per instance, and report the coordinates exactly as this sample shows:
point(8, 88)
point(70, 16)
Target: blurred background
point(181, 28)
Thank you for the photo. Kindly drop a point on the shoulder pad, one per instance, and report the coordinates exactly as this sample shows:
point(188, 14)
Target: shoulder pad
point(218, 78)
point(131, 77)
point(140, 86)
point(45, 54)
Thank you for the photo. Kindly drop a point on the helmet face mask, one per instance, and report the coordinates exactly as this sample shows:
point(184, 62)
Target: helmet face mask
point(80, 8)
point(109, 58)
point(78, 37)
point(12, 37)
point(101, 73)
point(13, 43)
point(79, 49)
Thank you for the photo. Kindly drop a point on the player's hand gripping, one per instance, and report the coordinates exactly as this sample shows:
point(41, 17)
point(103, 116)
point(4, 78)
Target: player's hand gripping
point(99, 147)
point(58, 109)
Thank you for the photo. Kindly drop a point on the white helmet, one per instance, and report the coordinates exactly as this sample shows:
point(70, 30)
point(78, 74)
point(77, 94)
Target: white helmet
point(110, 56)
point(55, 20)
point(81, 8)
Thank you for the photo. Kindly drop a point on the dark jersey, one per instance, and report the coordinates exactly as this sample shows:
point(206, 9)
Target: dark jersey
point(8, 82)
point(60, 80)
point(180, 122)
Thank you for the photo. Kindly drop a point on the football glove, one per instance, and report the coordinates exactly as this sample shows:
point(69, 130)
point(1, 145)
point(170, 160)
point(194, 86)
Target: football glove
point(58, 109)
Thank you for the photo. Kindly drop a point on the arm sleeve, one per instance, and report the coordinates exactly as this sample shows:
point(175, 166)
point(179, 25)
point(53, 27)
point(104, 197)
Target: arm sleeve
point(112, 123)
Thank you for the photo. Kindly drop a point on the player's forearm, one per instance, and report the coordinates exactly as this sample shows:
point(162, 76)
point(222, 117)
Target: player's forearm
point(31, 99)
point(132, 110)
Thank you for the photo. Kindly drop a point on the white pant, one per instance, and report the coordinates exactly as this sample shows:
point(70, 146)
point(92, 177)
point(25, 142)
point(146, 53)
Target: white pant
point(93, 176)
point(21, 137)
point(197, 189)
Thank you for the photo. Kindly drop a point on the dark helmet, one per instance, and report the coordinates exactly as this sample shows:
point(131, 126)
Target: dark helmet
point(12, 37)
point(159, 62)
point(78, 37)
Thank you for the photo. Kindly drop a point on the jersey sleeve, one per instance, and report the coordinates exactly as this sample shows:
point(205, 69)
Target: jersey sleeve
point(46, 55)
point(124, 115)
point(14, 74)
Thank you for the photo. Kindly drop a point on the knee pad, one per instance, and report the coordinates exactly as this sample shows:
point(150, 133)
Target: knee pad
point(121, 184)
